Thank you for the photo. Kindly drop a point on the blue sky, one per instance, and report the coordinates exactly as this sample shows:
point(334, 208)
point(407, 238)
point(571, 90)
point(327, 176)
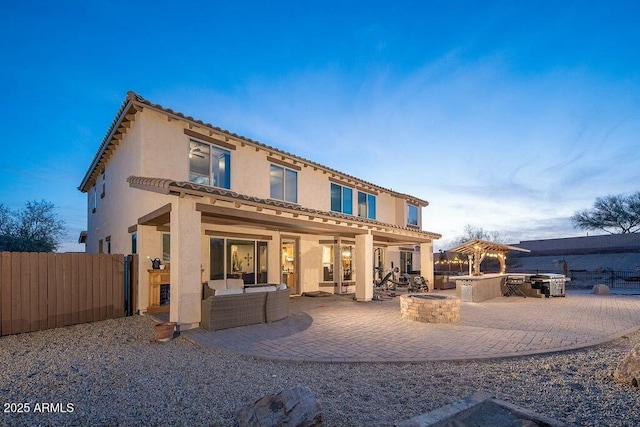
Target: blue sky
point(504, 115)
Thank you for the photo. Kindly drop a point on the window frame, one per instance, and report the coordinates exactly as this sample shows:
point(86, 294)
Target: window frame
point(343, 203)
point(224, 262)
point(285, 173)
point(406, 260)
point(328, 261)
point(417, 212)
point(347, 255)
point(211, 178)
point(104, 184)
point(95, 199)
point(370, 208)
point(166, 247)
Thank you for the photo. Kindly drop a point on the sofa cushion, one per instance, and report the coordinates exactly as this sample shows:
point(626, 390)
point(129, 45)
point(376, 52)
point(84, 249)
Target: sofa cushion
point(259, 289)
point(228, 292)
point(281, 286)
point(216, 285)
point(235, 284)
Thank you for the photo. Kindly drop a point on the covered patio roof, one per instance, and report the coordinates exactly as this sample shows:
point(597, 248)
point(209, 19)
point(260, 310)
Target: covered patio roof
point(482, 248)
point(227, 207)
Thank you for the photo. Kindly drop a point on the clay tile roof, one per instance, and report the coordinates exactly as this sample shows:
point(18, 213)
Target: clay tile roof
point(133, 98)
point(167, 186)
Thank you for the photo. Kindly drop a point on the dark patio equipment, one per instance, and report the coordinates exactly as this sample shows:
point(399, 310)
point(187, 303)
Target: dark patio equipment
point(514, 286)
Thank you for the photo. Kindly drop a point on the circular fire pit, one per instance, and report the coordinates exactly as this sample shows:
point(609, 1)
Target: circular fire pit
point(430, 308)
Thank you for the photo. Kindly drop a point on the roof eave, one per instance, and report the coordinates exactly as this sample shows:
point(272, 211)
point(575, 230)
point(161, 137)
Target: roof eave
point(104, 145)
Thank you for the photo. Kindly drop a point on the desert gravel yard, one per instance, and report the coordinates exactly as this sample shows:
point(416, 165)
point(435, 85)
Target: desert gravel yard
point(113, 373)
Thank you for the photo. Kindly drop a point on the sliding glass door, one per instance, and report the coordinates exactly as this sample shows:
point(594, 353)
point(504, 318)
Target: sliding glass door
point(238, 259)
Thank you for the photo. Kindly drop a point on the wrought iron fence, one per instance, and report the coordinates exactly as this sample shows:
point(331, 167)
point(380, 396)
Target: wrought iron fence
point(611, 278)
point(586, 279)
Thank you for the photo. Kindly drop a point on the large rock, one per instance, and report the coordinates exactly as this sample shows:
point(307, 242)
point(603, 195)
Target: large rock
point(296, 406)
point(601, 290)
point(628, 371)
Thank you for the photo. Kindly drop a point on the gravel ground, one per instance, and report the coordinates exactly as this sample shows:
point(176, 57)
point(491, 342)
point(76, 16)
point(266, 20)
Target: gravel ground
point(113, 373)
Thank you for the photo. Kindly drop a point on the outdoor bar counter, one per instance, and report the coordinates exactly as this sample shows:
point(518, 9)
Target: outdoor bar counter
point(480, 288)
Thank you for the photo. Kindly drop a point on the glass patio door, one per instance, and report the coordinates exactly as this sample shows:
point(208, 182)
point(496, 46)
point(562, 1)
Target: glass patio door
point(289, 263)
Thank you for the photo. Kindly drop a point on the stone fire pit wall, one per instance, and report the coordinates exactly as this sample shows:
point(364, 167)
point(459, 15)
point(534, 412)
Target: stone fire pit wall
point(430, 308)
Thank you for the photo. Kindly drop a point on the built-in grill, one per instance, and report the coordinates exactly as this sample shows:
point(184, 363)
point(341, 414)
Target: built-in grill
point(551, 285)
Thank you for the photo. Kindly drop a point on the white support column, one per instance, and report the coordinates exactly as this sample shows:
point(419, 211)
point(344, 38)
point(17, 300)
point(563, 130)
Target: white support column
point(426, 262)
point(364, 267)
point(186, 288)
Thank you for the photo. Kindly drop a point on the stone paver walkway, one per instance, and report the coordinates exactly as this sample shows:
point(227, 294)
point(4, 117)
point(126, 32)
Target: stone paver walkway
point(338, 329)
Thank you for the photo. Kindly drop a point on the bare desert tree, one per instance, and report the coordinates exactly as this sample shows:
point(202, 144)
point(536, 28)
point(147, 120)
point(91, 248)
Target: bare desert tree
point(36, 228)
point(471, 232)
point(613, 214)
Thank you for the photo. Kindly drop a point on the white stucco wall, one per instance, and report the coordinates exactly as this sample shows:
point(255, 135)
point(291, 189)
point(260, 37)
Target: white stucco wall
point(310, 264)
point(157, 147)
point(166, 155)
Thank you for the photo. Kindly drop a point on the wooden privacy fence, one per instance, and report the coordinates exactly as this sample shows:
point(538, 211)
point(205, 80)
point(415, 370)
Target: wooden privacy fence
point(49, 290)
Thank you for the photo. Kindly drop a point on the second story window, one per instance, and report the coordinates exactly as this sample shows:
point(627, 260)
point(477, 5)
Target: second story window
point(95, 199)
point(341, 199)
point(104, 185)
point(366, 205)
point(283, 184)
point(209, 165)
point(412, 215)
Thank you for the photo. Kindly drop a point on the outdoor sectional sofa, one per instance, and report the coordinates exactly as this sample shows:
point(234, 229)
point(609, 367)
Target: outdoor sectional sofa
point(229, 304)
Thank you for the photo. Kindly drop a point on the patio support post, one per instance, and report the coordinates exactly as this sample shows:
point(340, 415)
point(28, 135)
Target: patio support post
point(426, 262)
point(364, 267)
point(274, 260)
point(186, 260)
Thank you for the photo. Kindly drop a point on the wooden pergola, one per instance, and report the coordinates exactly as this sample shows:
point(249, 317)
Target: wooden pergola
point(479, 249)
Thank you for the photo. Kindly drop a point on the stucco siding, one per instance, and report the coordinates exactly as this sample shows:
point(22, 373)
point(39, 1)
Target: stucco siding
point(314, 189)
point(310, 264)
point(250, 172)
point(115, 209)
point(166, 155)
point(165, 147)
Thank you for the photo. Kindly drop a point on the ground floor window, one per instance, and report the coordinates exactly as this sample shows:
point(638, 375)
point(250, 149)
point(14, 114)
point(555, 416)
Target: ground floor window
point(406, 262)
point(239, 259)
point(327, 263)
point(347, 253)
point(166, 248)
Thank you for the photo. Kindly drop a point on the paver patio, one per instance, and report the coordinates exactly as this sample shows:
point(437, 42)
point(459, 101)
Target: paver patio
point(338, 329)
